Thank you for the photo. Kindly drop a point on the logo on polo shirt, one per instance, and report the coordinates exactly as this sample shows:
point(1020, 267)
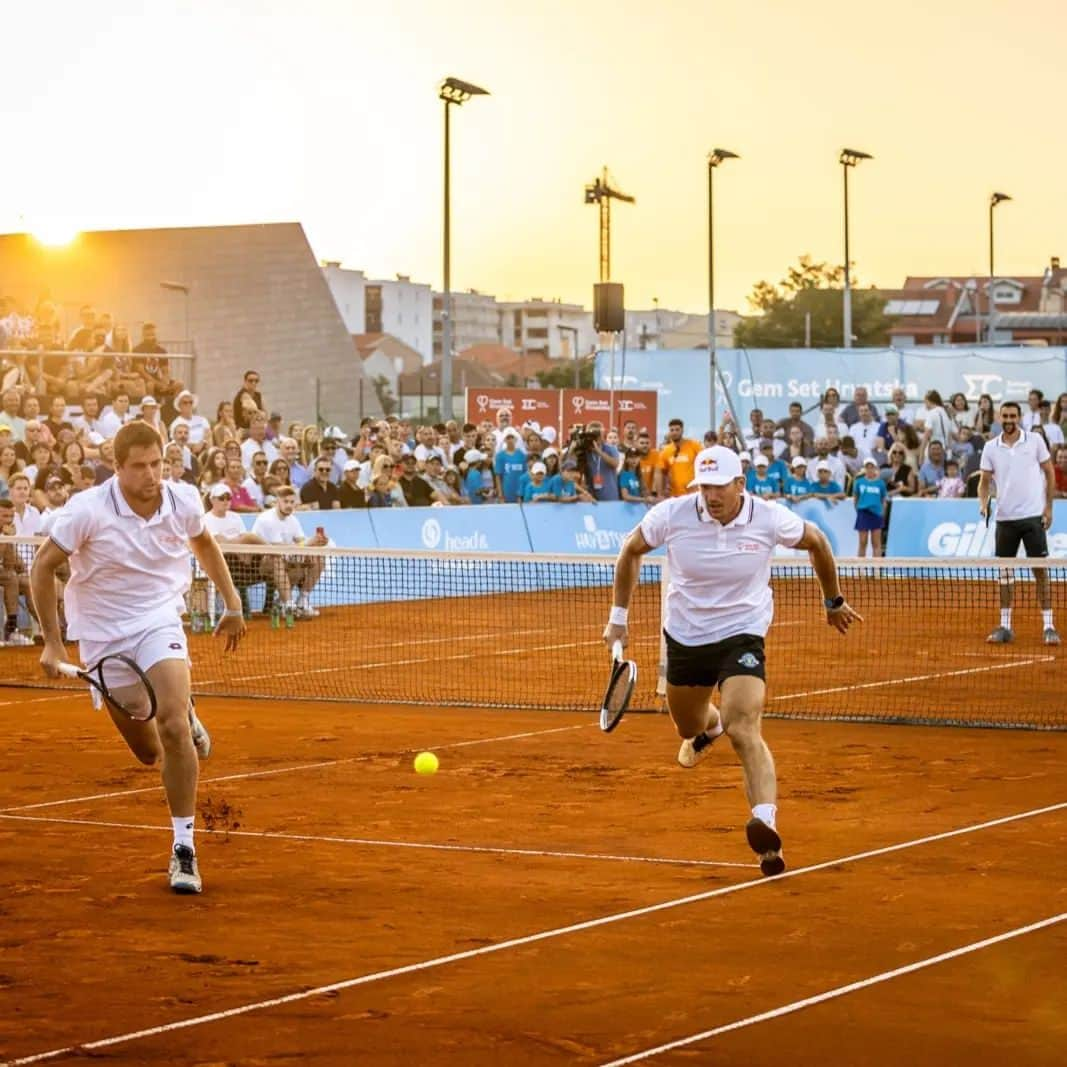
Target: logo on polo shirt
point(749, 661)
point(747, 546)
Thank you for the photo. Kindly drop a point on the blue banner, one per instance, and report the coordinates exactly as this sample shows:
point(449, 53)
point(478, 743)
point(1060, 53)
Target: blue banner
point(475, 528)
point(953, 528)
point(771, 379)
point(593, 529)
point(836, 519)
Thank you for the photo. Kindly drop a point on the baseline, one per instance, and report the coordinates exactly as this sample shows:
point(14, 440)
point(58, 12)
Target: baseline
point(517, 942)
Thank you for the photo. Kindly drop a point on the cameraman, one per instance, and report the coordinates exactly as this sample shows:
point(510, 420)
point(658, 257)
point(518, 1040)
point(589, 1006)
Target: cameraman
point(599, 462)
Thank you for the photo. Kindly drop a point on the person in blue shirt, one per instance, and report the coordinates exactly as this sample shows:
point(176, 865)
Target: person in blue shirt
point(869, 493)
point(777, 471)
point(602, 464)
point(472, 480)
point(759, 484)
point(509, 465)
point(630, 488)
point(824, 486)
point(536, 488)
point(797, 486)
point(569, 490)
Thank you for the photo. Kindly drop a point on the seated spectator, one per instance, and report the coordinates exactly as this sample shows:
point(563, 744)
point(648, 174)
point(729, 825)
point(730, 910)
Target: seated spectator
point(536, 489)
point(950, 487)
point(257, 440)
point(280, 469)
point(570, 489)
point(434, 476)
point(965, 451)
point(150, 414)
point(57, 417)
point(245, 568)
point(777, 468)
point(319, 493)
point(1061, 471)
point(73, 459)
point(759, 483)
point(850, 456)
point(27, 518)
point(155, 367)
point(274, 426)
point(180, 437)
point(350, 493)
point(82, 335)
point(35, 435)
point(253, 484)
point(309, 445)
point(240, 499)
point(630, 486)
point(104, 465)
point(416, 490)
point(212, 468)
point(199, 429)
point(796, 419)
point(279, 526)
point(797, 487)
point(115, 416)
point(456, 486)
point(825, 486)
point(335, 448)
point(14, 579)
point(380, 495)
point(174, 468)
point(366, 468)
point(933, 470)
point(299, 474)
point(10, 464)
point(41, 460)
point(864, 431)
point(796, 445)
point(10, 415)
point(900, 478)
point(51, 499)
point(247, 400)
point(225, 428)
point(271, 485)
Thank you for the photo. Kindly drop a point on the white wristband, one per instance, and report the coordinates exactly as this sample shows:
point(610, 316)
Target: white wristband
point(618, 616)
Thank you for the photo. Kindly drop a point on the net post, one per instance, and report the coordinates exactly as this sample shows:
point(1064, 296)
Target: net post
point(661, 673)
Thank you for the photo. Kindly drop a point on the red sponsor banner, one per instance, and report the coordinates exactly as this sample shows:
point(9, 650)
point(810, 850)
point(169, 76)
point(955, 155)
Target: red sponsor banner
point(526, 405)
point(588, 405)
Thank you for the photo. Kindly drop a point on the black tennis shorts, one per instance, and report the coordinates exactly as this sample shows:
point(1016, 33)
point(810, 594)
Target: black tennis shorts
point(712, 664)
point(1026, 532)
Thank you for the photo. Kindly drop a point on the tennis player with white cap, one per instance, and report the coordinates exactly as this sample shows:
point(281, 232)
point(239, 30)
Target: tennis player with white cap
point(720, 541)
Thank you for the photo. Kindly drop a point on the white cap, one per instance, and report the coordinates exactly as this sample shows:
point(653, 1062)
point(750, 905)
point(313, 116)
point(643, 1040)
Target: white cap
point(548, 433)
point(334, 433)
point(182, 395)
point(716, 466)
point(353, 465)
point(472, 455)
point(530, 424)
point(550, 452)
point(745, 455)
point(220, 489)
point(538, 468)
point(870, 461)
point(799, 461)
point(761, 461)
point(822, 465)
point(149, 401)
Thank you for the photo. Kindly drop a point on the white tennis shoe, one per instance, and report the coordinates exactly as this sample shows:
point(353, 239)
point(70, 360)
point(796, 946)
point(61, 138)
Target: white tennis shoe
point(694, 749)
point(183, 873)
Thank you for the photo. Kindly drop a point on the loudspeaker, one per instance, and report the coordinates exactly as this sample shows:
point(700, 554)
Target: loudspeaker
point(609, 315)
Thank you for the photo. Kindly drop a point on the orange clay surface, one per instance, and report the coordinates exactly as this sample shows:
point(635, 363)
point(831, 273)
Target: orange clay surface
point(317, 873)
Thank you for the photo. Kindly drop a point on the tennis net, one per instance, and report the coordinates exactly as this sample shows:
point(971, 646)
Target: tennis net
point(523, 631)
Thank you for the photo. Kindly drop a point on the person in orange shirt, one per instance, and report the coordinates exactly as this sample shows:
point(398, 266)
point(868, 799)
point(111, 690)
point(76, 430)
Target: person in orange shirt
point(649, 462)
point(676, 460)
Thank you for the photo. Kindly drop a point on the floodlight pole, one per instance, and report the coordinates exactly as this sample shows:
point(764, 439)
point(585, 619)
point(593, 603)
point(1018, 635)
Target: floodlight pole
point(715, 157)
point(849, 158)
point(995, 199)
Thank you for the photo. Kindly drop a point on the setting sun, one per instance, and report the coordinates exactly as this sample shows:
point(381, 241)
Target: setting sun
point(54, 233)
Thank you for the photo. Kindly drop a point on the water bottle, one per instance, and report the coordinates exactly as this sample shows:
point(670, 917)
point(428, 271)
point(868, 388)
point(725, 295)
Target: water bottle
point(275, 617)
point(198, 626)
point(290, 617)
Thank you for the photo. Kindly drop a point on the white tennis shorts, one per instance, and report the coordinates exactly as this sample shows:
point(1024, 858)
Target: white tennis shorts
point(145, 649)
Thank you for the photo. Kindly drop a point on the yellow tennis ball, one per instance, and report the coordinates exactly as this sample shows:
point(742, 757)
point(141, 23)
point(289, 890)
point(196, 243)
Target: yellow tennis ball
point(426, 763)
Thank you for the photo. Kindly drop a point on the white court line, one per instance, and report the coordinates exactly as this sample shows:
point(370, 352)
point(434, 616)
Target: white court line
point(300, 767)
point(475, 654)
point(385, 843)
point(913, 678)
point(515, 942)
point(64, 694)
point(840, 991)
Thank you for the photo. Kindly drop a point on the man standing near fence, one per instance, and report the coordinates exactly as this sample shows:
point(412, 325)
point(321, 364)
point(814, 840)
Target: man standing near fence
point(1018, 461)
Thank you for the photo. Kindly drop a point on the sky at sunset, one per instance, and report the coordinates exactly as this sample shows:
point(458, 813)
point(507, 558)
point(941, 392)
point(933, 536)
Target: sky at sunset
point(126, 115)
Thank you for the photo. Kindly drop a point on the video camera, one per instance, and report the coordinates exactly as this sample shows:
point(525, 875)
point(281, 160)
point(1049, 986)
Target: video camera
point(582, 439)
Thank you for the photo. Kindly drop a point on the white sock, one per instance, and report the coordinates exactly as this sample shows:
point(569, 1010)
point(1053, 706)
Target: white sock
point(714, 731)
point(1046, 618)
point(1005, 618)
point(305, 600)
point(765, 813)
point(183, 830)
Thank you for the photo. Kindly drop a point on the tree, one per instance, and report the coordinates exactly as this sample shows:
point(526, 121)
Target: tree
point(815, 289)
point(386, 400)
point(561, 376)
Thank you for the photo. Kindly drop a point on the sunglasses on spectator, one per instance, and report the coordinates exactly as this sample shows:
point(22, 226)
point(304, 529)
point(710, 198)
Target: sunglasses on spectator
point(260, 462)
point(222, 496)
point(322, 470)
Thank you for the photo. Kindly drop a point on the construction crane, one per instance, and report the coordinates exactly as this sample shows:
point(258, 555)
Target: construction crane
point(601, 193)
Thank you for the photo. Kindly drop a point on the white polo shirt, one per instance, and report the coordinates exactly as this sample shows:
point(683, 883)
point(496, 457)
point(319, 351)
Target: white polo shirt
point(128, 575)
point(199, 427)
point(278, 531)
point(719, 575)
point(1016, 470)
point(864, 433)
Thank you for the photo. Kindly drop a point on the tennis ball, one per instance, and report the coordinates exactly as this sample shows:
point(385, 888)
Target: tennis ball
point(426, 763)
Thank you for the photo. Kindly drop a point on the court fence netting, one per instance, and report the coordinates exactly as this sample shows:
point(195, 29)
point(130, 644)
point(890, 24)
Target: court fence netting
point(524, 631)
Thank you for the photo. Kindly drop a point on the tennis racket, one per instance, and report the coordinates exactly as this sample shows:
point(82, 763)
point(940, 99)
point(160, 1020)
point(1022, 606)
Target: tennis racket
point(140, 710)
point(619, 691)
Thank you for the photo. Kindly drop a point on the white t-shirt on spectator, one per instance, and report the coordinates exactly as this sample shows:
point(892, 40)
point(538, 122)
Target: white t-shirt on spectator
point(250, 448)
point(278, 531)
point(1031, 419)
point(109, 423)
point(940, 425)
point(228, 525)
point(719, 575)
point(28, 523)
point(199, 427)
point(422, 453)
point(864, 434)
point(1053, 433)
point(91, 427)
point(128, 575)
point(1018, 475)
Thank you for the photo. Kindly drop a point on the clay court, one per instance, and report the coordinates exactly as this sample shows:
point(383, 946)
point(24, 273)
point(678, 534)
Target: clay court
point(552, 895)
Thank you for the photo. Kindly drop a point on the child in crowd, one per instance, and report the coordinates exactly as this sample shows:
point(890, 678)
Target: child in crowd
point(951, 485)
point(869, 493)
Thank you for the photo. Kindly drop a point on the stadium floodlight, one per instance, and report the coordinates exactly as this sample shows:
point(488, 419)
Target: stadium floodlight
point(996, 198)
point(849, 158)
point(715, 157)
point(451, 91)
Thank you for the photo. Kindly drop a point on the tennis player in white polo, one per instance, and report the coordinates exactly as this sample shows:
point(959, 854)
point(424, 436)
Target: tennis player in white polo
point(720, 541)
point(128, 543)
point(1018, 461)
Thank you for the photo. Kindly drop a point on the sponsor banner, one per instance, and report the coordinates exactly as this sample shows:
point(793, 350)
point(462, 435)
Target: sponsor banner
point(772, 379)
point(537, 405)
point(954, 529)
point(836, 519)
point(587, 405)
point(484, 528)
point(591, 529)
